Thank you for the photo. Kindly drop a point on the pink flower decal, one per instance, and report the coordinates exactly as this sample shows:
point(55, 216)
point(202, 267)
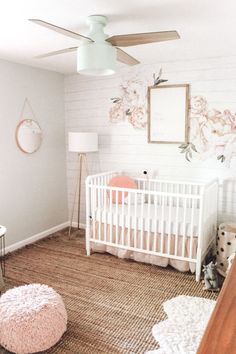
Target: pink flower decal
point(198, 105)
point(116, 113)
point(213, 132)
point(130, 106)
point(138, 118)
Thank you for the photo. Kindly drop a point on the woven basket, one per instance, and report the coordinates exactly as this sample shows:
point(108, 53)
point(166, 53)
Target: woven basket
point(225, 246)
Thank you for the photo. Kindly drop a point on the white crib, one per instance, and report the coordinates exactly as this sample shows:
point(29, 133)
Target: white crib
point(172, 219)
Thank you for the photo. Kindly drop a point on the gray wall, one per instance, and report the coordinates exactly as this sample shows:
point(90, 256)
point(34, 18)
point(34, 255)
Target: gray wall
point(32, 187)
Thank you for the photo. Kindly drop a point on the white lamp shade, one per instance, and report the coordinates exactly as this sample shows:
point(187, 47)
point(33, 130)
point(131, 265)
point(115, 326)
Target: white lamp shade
point(82, 142)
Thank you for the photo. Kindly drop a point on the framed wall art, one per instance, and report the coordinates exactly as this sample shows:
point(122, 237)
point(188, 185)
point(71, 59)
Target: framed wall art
point(168, 107)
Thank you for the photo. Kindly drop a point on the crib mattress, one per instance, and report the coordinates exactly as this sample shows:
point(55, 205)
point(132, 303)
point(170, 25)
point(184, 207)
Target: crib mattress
point(163, 220)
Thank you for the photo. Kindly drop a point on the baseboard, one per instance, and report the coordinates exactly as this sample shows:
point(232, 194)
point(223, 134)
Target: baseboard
point(34, 238)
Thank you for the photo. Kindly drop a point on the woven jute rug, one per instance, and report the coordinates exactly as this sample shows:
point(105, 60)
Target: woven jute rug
point(112, 303)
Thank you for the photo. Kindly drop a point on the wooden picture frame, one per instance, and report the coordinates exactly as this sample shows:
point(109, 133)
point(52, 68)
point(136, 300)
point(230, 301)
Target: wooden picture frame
point(168, 108)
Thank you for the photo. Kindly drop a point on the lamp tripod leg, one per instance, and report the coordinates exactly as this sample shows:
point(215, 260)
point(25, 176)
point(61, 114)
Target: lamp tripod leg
point(79, 194)
point(78, 184)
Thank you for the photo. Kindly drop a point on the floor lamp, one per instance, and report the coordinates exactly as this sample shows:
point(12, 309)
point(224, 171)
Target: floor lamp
point(82, 143)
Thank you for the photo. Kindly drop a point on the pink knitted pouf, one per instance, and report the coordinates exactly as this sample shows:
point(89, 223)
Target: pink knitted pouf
point(32, 318)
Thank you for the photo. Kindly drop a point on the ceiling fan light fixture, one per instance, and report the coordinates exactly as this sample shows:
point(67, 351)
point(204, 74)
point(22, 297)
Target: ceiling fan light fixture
point(98, 53)
point(96, 59)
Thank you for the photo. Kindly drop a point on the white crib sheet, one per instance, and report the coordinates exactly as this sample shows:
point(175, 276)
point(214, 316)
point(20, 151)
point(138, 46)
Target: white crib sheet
point(174, 227)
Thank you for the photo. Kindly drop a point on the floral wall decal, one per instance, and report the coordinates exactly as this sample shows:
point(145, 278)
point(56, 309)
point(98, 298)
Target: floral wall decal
point(131, 105)
point(213, 132)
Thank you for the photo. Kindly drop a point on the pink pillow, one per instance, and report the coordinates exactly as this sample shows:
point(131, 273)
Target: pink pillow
point(121, 181)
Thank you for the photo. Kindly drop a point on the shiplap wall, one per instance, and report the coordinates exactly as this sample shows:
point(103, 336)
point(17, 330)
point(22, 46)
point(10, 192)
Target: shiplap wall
point(121, 147)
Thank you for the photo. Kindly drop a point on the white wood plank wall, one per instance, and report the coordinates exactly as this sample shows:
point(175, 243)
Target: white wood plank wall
point(87, 104)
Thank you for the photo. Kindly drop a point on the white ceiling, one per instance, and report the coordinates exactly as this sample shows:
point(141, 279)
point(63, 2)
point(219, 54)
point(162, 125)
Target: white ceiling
point(207, 28)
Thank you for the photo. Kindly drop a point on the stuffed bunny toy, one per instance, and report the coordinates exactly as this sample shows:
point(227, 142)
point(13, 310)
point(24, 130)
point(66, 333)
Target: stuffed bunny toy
point(211, 277)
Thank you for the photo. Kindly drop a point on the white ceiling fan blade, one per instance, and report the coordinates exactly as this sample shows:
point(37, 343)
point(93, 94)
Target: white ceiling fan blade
point(125, 58)
point(60, 30)
point(127, 40)
point(61, 51)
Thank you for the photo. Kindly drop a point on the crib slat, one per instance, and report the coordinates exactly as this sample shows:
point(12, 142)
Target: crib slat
point(184, 226)
point(94, 191)
point(135, 220)
point(148, 220)
point(111, 216)
point(102, 193)
point(117, 218)
point(169, 222)
point(149, 185)
point(141, 221)
point(100, 214)
point(105, 214)
point(177, 224)
point(191, 229)
point(129, 202)
point(122, 218)
point(98, 195)
point(189, 192)
point(155, 223)
point(162, 222)
point(159, 197)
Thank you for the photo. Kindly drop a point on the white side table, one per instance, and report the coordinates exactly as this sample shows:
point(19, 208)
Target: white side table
point(3, 231)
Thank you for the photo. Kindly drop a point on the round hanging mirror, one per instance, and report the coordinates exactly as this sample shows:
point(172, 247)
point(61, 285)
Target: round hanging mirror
point(28, 136)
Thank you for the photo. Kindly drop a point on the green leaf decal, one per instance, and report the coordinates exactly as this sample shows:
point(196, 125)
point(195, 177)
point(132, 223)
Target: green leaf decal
point(188, 149)
point(115, 99)
point(128, 112)
point(193, 147)
point(157, 80)
point(221, 158)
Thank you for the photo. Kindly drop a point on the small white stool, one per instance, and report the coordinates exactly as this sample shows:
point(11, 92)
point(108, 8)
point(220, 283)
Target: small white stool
point(225, 246)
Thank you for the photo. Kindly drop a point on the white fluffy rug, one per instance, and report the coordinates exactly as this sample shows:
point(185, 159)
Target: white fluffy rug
point(181, 333)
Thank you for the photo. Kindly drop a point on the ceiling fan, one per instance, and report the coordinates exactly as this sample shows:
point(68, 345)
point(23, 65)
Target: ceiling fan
point(98, 53)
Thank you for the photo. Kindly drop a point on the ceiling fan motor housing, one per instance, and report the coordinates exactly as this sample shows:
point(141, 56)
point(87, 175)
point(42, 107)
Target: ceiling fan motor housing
point(99, 57)
point(96, 59)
